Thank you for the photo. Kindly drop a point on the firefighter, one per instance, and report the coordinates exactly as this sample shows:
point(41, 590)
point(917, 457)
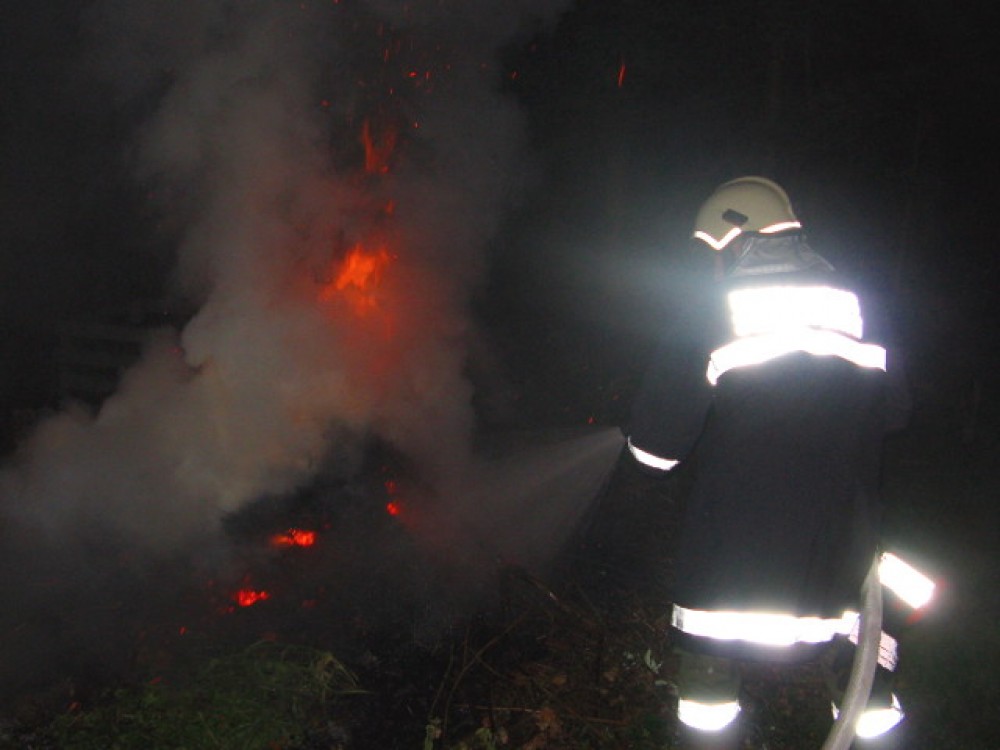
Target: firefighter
point(775, 390)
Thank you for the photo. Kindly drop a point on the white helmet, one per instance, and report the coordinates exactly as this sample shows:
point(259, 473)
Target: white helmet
point(746, 204)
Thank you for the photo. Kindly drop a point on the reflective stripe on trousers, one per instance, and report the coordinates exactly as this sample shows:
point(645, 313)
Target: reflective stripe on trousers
point(707, 717)
point(875, 722)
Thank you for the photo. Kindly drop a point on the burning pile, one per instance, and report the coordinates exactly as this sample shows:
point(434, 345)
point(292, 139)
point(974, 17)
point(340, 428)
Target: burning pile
point(330, 174)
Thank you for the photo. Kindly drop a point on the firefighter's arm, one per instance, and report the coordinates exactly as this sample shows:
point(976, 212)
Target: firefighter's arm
point(651, 460)
point(669, 411)
point(674, 396)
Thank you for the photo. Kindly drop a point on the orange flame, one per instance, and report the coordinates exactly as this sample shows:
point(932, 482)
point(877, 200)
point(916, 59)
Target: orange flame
point(294, 538)
point(249, 597)
point(362, 270)
point(358, 278)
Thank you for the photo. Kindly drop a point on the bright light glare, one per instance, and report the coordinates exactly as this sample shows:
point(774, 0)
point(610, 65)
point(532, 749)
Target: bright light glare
point(765, 628)
point(781, 226)
point(774, 308)
point(756, 350)
point(874, 722)
point(655, 462)
point(908, 583)
point(708, 717)
point(720, 243)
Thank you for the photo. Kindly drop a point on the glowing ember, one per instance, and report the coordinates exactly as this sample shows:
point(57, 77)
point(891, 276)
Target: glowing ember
point(249, 597)
point(358, 278)
point(294, 538)
point(361, 270)
point(392, 508)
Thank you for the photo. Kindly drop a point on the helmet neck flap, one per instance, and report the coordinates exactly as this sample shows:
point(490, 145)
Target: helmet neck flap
point(763, 254)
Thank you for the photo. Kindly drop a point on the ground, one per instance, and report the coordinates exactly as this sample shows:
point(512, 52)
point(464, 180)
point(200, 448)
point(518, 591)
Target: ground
point(572, 654)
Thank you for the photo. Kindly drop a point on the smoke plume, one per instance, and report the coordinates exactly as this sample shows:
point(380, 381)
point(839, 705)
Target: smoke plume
point(331, 173)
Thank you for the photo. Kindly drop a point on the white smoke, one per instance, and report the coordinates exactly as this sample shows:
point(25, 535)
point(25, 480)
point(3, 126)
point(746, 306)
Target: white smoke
point(251, 145)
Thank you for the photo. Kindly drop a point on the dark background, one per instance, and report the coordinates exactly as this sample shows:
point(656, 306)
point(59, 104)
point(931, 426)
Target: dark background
point(876, 118)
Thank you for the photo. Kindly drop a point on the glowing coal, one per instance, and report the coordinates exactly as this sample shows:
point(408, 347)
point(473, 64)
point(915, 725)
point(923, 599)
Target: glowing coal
point(249, 597)
point(294, 538)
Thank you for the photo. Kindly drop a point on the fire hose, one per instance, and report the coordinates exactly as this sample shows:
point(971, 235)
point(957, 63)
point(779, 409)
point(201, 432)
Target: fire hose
point(859, 685)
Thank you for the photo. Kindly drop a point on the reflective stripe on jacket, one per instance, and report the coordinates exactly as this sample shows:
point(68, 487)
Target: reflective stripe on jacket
point(771, 321)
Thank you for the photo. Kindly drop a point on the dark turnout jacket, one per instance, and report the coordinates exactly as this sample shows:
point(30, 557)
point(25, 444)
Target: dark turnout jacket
point(778, 390)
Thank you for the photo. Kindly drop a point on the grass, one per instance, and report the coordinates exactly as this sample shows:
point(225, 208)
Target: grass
point(580, 660)
point(265, 697)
